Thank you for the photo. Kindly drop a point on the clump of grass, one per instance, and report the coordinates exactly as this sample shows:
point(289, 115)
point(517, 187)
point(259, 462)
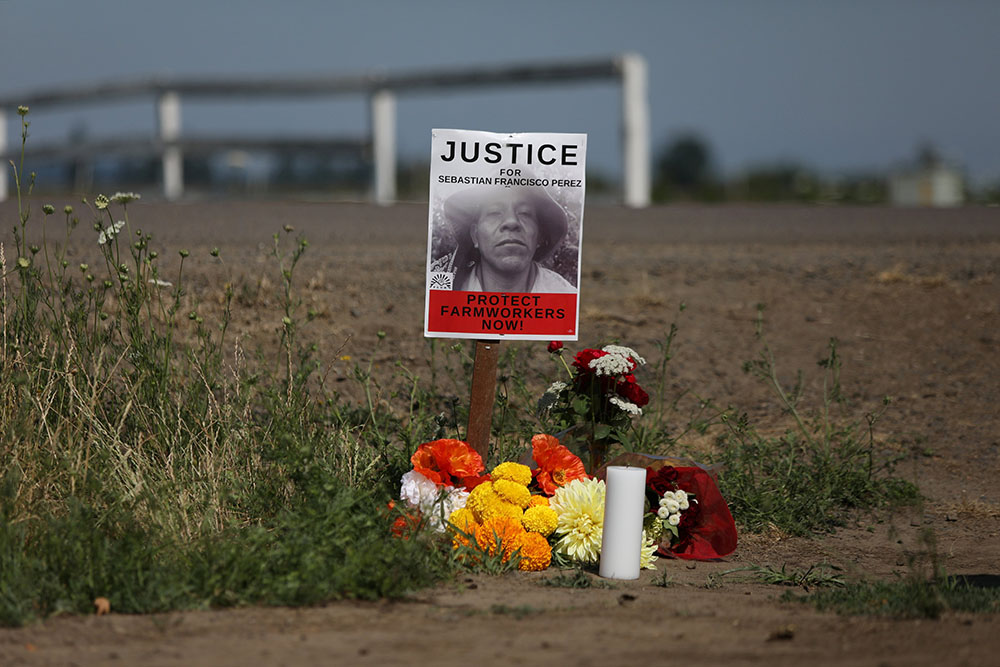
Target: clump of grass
point(817, 575)
point(925, 591)
point(907, 597)
point(150, 460)
point(812, 476)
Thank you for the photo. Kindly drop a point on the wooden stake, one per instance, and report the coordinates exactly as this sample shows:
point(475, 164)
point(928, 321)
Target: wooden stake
point(484, 389)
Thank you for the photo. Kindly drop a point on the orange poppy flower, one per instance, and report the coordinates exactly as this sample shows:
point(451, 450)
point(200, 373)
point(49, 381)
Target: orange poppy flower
point(448, 462)
point(557, 466)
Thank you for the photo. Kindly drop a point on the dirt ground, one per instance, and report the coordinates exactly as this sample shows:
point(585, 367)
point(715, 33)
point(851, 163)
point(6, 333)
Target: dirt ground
point(913, 296)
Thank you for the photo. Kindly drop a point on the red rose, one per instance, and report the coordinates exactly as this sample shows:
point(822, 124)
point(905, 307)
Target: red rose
point(662, 480)
point(555, 347)
point(584, 357)
point(633, 392)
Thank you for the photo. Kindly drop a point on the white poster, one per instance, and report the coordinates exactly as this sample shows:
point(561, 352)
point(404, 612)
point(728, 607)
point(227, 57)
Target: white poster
point(504, 234)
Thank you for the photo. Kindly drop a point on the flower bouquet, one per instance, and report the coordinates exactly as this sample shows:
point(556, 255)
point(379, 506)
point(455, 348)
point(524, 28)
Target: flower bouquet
point(530, 517)
point(600, 399)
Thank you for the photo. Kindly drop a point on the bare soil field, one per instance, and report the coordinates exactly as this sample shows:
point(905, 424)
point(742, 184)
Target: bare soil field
point(913, 296)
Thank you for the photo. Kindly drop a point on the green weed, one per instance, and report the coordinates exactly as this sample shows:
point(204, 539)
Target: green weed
point(812, 476)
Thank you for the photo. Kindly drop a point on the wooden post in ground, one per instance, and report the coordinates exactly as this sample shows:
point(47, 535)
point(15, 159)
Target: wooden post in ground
point(484, 389)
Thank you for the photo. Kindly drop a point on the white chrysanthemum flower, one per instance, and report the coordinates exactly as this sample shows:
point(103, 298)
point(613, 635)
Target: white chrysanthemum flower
point(672, 506)
point(611, 364)
point(663, 512)
point(625, 406)
point(125, 197)
point(436, 503)
point(580, 507)
point(647, 554)
point(625, 352)
point(683, 501)
point(674, 520)
point(417, 490)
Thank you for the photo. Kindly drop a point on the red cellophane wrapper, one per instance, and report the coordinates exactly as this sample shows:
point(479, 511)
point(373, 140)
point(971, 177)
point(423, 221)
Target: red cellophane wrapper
point(711, 533)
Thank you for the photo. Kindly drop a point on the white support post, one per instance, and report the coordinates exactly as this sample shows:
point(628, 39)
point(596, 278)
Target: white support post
point(635, 130)
point(383, 110)
point(169, 126)
point(3, 152)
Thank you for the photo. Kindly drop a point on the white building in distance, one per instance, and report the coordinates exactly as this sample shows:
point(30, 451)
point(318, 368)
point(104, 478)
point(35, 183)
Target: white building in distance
point(928, 181)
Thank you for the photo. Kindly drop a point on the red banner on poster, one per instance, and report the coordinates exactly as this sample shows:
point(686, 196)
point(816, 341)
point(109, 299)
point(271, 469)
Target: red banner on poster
point(497, 314)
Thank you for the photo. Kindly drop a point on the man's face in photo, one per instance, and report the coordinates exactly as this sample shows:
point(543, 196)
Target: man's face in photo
point(507, 232)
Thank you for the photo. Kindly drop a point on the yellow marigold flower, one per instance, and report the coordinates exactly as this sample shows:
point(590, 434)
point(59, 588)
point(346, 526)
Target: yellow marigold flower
point(512, 492)
point(480, 499)
point(501, 534)
point(465, 524)
point(462, 519)
point(504, 509)
point(537, 501)
point(536, 554)
point(514, 472)
point(540, 519)
point(580, 506)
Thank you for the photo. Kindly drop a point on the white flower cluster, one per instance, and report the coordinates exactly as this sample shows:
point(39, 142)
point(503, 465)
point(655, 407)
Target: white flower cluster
point(625, 406)
point(110, 232)
point(551, 396)
point(612, 364)
point(625, 352)
point(671, 505)
point(125, 197)
point(436, 504)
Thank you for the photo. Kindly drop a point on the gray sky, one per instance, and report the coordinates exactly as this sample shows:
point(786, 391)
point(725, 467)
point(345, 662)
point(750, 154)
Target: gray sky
point(843, 86)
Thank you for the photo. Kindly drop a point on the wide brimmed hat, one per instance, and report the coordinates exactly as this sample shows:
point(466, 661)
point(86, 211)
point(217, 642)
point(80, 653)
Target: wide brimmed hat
point(463, 208)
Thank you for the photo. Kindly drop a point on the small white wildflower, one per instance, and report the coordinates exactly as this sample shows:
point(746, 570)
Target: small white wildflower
point(125, 197)
point(119, 225)
point(101, 202)
point(160, 283)
point(663, 512)
point(551, 396)
point(625, 406)
point(625, 352)
point(556, 387)
point(102, 239)
point(611, 364)
point(674, 520)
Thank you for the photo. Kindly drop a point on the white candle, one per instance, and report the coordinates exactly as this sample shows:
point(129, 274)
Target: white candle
point(624, 503)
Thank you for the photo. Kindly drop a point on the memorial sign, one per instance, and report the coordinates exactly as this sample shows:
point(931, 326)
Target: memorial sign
point(504, 233)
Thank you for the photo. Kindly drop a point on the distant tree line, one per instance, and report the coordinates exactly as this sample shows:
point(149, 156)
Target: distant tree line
point(685, 170)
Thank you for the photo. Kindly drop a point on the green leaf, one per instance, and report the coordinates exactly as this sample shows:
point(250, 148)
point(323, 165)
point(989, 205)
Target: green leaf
point(601, 431)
